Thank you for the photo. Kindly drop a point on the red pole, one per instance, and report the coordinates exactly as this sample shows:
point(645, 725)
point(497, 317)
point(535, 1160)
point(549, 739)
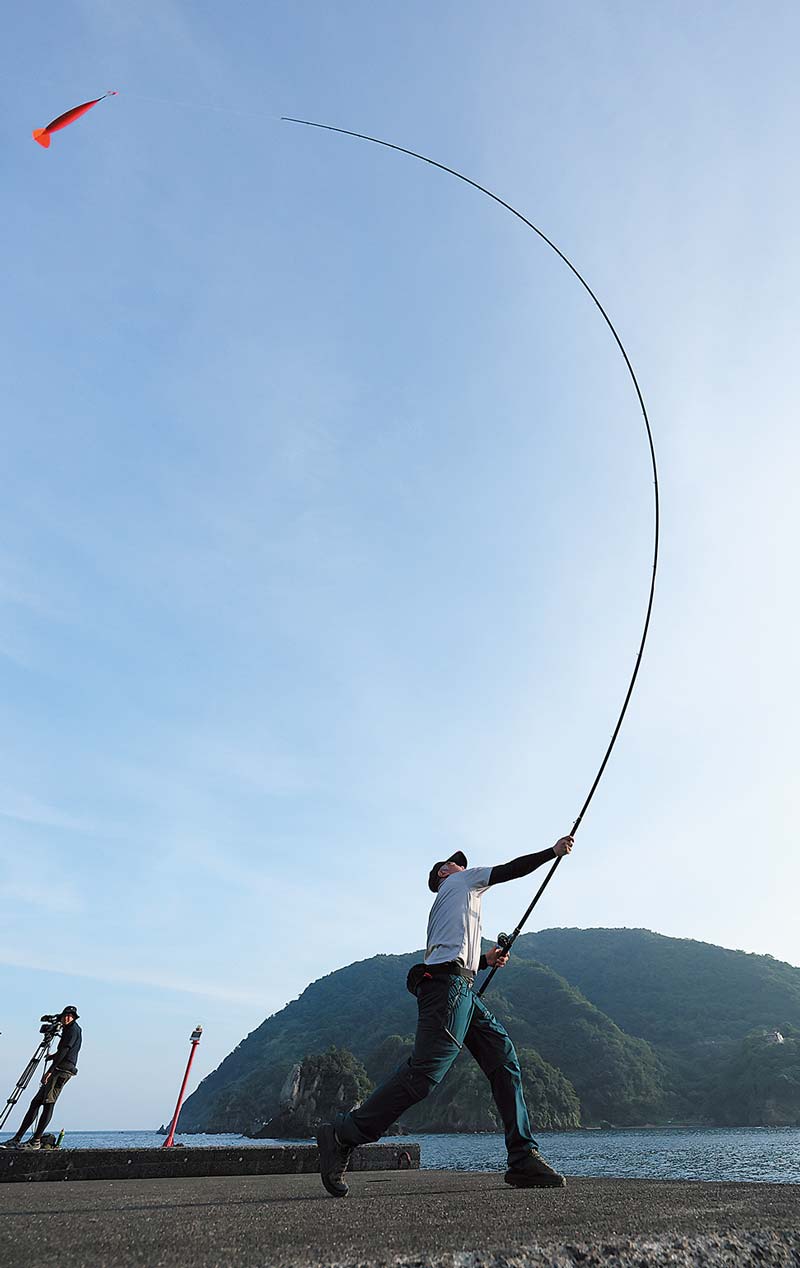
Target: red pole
point(194, 1040)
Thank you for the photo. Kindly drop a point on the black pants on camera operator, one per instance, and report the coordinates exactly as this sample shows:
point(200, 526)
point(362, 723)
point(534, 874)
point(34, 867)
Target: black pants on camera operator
point(64, 1067)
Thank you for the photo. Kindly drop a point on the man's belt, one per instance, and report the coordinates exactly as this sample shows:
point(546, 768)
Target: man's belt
point(451, 968)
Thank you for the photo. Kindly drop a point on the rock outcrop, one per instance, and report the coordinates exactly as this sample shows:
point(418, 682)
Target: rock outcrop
point(315, 1090)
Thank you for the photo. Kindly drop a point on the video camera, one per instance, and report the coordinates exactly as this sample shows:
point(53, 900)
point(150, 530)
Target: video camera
point(52, 1023)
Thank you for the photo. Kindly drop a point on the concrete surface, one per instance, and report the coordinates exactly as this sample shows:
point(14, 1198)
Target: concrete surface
point(428, 1219)
point(21, 1165)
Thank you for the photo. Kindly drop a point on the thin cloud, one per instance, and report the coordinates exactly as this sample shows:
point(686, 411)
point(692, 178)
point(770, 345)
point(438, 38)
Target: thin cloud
point(27, 810)
point(50, 897)
point(162, 983)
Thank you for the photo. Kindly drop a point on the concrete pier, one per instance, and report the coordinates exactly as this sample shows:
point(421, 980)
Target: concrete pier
point(428, 1219)
point(22, 1165)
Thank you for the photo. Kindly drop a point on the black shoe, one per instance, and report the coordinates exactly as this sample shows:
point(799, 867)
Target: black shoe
point(534, 1173)
point(33, 1143)
point(13, 1143)
point(333, 1160)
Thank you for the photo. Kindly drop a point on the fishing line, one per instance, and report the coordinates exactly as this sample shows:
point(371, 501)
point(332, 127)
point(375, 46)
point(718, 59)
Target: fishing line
point(509, 940)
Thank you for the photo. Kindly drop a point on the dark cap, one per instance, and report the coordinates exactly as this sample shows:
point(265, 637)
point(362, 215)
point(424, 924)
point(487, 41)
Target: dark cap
point(70, 1008)
point(433, 880)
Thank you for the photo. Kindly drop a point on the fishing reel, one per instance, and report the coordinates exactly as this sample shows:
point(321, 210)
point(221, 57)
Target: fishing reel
point(504, 940)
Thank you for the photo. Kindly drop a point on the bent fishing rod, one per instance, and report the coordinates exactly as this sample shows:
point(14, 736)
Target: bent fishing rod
point(506, 941)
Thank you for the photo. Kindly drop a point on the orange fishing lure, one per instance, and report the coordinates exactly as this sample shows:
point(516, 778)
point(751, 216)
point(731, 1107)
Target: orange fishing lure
point(42, 135)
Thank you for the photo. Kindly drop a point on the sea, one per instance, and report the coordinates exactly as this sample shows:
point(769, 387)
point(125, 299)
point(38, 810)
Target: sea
point(755, 1154)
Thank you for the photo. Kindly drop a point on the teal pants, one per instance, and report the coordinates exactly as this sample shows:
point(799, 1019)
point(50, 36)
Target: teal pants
point(451, 1016)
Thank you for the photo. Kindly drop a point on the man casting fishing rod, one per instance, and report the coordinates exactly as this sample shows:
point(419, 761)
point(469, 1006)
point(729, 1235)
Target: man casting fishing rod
point(451, 1016)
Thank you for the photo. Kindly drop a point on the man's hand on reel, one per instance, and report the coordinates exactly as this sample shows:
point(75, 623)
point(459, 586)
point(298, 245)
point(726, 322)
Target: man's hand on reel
point(497, 957)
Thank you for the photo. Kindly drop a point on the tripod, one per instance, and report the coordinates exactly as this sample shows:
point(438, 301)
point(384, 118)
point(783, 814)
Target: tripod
point(49, 1033)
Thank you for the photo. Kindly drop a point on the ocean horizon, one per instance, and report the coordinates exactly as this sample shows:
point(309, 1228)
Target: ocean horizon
point(750, 1154)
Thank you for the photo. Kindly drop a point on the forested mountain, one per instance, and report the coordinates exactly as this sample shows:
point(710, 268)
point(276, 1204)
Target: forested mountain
point(609, 1024)
point(708, 1011)
point(674, 992)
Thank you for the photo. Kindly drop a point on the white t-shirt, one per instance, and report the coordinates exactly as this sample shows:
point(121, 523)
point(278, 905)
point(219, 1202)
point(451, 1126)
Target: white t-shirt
point(454, 925)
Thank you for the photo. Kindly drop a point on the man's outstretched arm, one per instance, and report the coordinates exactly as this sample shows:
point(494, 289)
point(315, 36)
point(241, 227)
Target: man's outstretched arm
point(527, 863)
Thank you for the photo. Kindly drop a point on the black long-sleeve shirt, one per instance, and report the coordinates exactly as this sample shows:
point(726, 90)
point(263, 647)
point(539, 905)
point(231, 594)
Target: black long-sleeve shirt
point(65, 1057)
point(523, 866)
point(513, 871)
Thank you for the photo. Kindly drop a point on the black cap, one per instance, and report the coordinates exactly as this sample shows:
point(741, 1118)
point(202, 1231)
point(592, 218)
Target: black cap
point(433, 880)
point(70, 1008)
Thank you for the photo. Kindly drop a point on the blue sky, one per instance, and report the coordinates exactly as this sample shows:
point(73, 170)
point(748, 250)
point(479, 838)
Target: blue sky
point(327, 506)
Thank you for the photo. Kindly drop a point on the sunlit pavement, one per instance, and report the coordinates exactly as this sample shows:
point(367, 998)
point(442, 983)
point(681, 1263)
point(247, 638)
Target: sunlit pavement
point(422, 1215)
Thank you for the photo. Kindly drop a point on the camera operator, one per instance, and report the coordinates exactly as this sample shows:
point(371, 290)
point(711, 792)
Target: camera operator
point(64, 1067)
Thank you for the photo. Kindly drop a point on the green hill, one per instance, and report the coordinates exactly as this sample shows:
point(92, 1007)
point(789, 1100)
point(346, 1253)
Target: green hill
point(616, 1025)
point(676, 993)
point(358, 1007)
